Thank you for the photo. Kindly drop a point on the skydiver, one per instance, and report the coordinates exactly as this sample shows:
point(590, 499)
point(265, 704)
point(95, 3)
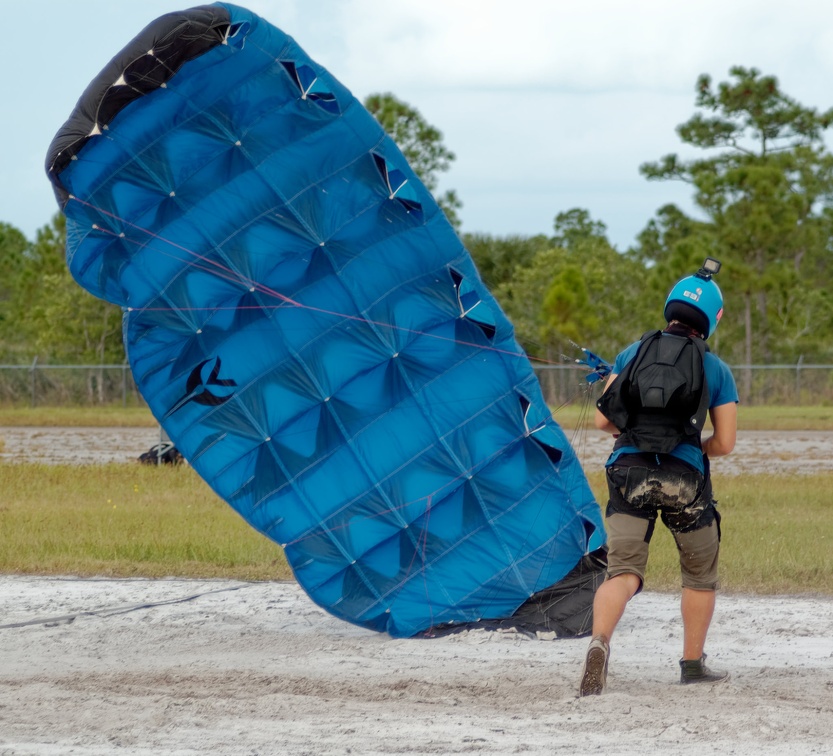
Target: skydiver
point(660, 465)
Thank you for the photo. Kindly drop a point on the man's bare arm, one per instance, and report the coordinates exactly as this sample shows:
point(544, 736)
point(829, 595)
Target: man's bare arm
point(725, 421)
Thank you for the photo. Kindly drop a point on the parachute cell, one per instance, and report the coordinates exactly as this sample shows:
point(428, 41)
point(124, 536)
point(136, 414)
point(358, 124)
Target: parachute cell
point(308, 329)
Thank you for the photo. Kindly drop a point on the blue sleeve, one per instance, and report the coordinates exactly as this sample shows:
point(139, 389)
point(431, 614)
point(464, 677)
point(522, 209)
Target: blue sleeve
point(624, 357)
point(722, 387)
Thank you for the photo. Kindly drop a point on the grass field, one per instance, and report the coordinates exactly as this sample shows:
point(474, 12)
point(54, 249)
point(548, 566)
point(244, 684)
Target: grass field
point(126, 520)
point(130, 520)
point(749, 418)
point(777, 535)
point(570, 416)
point(77, 417)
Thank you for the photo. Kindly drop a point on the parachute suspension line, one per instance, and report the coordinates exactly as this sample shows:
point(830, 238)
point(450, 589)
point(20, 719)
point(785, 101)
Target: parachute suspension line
point(568, 485)
point(579, 437)
point(420, 549)
point(599, 370)
point(216, 268)
point(568, 488)
point(497, 587)
point(212, 265)
point(421, 544)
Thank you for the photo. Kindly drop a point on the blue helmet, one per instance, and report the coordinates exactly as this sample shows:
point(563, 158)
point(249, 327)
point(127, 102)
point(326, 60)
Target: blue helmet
point(696, 300)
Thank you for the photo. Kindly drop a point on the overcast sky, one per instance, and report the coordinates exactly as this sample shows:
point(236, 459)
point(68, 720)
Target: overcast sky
point(547, 104)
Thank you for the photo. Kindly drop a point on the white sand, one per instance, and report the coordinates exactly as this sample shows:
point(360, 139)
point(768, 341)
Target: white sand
point(799, 452)
point(140, 667)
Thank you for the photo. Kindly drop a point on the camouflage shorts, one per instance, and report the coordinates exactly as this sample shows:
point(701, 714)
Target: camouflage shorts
point(675, 491)
point(678, 494)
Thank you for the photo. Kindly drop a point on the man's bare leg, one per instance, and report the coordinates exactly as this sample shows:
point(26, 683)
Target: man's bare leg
point(609, 605)
point(610, 601)
point(697, 608)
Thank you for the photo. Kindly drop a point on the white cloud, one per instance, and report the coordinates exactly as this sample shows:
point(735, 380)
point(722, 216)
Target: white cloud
point(548, 104)
point(527, 44)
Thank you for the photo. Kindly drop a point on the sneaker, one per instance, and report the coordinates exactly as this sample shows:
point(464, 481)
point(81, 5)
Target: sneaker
point(594, 672)
point(696, 671)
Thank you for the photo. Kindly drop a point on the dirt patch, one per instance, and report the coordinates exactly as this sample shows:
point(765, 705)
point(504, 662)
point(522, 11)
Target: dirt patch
point(194, 667)
point(79, 446)
point(781, 452)
point(798, 452)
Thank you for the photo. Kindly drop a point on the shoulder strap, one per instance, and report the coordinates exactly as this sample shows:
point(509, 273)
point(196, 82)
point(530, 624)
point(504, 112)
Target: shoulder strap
point(698, 420)
point(613, 403)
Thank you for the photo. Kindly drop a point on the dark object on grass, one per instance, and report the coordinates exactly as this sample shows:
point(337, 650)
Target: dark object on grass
point(164, 453)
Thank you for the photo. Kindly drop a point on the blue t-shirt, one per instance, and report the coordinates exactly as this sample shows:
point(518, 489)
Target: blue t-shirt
point(722, 390)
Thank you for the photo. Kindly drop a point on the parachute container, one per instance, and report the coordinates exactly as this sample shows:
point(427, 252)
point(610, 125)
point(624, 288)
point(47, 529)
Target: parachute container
point(308, 329)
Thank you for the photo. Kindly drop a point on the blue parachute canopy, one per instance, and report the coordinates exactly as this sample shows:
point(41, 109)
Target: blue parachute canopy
point(307, 327)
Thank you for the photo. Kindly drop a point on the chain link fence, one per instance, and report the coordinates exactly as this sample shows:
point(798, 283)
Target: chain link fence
point(40, 385)
point(793, 385)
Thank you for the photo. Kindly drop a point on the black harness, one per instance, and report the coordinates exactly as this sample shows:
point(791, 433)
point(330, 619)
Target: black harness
point(661, 398)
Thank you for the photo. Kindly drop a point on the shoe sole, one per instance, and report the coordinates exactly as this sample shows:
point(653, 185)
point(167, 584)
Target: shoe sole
point(707, 680)
point(594, 677)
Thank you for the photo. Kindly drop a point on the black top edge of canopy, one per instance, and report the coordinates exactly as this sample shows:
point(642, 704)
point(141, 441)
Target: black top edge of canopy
point(174, 39)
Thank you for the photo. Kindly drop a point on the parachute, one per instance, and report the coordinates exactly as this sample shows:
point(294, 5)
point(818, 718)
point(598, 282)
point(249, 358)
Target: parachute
point(308, 329)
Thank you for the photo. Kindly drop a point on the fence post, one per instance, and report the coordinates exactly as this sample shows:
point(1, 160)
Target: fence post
point(798, 380)
point(32, 371)
point(124, 384)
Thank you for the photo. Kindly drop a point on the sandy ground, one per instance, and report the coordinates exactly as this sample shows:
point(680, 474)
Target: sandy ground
point(801, 452)
point(139, 667)
point(75, 445)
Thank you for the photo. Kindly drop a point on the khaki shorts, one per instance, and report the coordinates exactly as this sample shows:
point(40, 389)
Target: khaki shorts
point(641, 493)
point(628, 539)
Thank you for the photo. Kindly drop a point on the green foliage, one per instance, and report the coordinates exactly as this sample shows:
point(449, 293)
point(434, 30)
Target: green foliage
point(14, 248)
point(420, 142)
point(765, 187)
point(73, 326)
point(45, 313)
point(521, 297)
point(576, 229)
point(497, 258)
point(567, 310)
point(575, 288)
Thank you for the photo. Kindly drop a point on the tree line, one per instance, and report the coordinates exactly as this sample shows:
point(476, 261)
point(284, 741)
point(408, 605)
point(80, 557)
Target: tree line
point(762, 184)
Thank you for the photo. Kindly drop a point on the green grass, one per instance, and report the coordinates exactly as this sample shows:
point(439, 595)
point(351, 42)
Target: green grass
point(776, 535)
point(785, 418)
point(570, 417)
point(77, 417)
point(130, 520)
point(126, 520)
point(749, 418)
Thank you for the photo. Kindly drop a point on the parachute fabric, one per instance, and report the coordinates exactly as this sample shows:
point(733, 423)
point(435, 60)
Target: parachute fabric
point(310, 332)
